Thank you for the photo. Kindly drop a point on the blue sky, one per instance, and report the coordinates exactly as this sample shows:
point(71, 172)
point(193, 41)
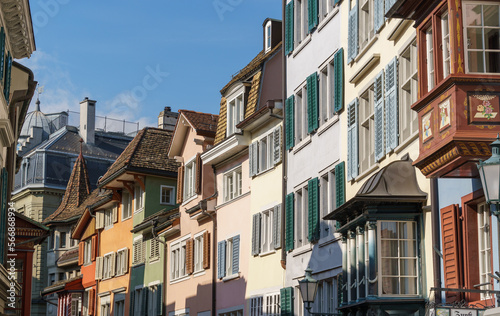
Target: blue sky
point(136, 57)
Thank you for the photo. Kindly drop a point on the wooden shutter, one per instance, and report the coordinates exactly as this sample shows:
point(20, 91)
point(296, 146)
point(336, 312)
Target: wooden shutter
point(98, 268)
point(338, 70)
point(277, 227)
point(7, 77)
point(253, 158)
point(256, 234)
point(81, 253)
point(277, 139)
point(189, 256)
point(236, 254)
point(290, 122)
point(391, 106)
point(199, 166)
point(180, 184)
point(93, 248)
point(379, 15)
point(112, 271)
point(379, 116)
point(159, 300)
point(115, 214)
point(352, 37)
point(144, 301)
point(352, 139)
point(452, 257)
point(312, 103)
point(206, 250)
point(289, 28)
point(312, 14)
point(132, 302)
point(286, 301)
point(125, 261)
point(221, 259)
point(92, 302)
point(339, 184)
point(99, 220)
point(313, 209)
point(388, 5)
point(289, 221)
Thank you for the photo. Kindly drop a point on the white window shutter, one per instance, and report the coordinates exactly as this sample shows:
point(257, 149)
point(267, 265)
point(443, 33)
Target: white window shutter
point(98, 268)
point(125, 261)
point(113, 265)
point(253, 158)
point(255, 234)
point(391, 113)
point(277, 139)
point(277, 227)
point(352, 140)
point(99, 220)
point(379, 116)
point(115, 214)
point(352, 39)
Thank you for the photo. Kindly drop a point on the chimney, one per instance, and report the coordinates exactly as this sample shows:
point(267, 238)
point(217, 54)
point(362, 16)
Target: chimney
point(167, 119)
point(87, 120)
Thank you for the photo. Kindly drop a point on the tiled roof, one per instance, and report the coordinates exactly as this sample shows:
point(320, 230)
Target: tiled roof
point(148, 151)
point(222, 124)
point(253, 95)
point(202, 122)
point(77, 190)
point(161, 217)
point(68, 256)
point(59, 285)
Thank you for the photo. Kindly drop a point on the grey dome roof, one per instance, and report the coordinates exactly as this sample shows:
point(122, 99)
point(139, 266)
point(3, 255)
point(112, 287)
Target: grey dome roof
point(38, 119)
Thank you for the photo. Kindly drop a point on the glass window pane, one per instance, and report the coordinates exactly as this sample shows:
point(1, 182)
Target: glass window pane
point(473, 15)
point(389, 248)
point(490, 15)
point(388, 230)
point(475, 38)
point(390, 286)
point(389, 267)
point(493, 62)
point(408, 285)
point(476, 62)
point(491, 38)
point(408, 267)
point(408, 249)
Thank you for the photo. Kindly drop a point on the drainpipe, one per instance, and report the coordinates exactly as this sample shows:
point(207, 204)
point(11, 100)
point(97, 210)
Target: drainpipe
point(165, 256)
point(98, 242)
point(214, 244)
point(284, 157)
point(436, 238)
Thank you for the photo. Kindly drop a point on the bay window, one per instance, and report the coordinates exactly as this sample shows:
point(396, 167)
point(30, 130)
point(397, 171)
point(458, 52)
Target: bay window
point(445, 43)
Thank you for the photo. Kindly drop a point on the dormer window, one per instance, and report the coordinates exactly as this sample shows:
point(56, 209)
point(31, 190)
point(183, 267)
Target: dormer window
point(268, 37)
point(235, 111)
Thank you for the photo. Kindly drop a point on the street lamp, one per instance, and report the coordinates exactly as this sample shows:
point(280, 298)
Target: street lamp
point(489, 172)
point(308, 288)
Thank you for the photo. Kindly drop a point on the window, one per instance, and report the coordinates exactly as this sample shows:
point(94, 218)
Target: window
point(167, 195)
point(228, 254)
point(256, 306)
point(366, 131)
point(108, 218)
point(87, 251)
point(137, 301)
point(233, 313)
point(51, 240)
point(52, 278)
point(265, 152)
point(301, 217)
point(301, 21)
point(327, 200)
point(445, 42)
point(484, 241)
point(481, 28)
point(398, 258)
point(301, 125)
point(139, 251)
point(366, 19)
point(154, 249)
point(326, 93)
point(105, 306)
point(326, 296)
point(62, 276)
point(325, 8)
point(198, 253)
point(154, 300)
point(189, 179)
point(62, 240)
point(300, 309)
point(138, 198)
point(430, 58)
point(108, 265)
point(408, 86)
point(268, 36)
point(266, 231)
point(85, 303)
point(73, 242)
point(178, 260)
point(126, 205)
point(119, 306)
point(268, 305)
point(235, 112)
point(121, 261)
point(232, 184)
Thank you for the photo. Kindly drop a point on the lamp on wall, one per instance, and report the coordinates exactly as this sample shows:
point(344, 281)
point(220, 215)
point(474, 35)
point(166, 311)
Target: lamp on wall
point(489, 172)
point(308, 287)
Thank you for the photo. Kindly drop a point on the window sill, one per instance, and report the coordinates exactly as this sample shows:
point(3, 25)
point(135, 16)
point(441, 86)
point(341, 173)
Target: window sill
point(233, 200)
point(183, 278)
point(366, 48)
point(267, 253)
point(406, 143)
point(189, 199)
point(325, 21)
point(301, 46)
point(161, 203)
point(231, 277)
point(135, 265)
point(108, 227)
point(367, 172)
point(329, 123)
point(154, 260)
point(302, 250)
point(303, 143)
point(124, 219)
point(266, 171)
point(198, 273)
point(139, 210)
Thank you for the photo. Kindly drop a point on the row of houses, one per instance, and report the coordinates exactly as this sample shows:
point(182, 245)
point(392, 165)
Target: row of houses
point(348, 146)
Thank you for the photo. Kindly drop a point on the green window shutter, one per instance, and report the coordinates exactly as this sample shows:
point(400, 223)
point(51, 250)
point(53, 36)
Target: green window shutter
point(221, 259)
point(144, 305)
point(312, 14)
point(290, 122)
point(277, 139)
point(352, 140)
point(289, 224)
point(388, 5)
point(339, 184)
point(253, 158)
point(236, 254)
point(277, 227)
point(131, 305)
point(391, 105)
point(286, 301)
point(6, 86)
point(2, 52)
point(338, 69)
point(352, 33)
point(255, 234)
point(313, 209)
point(289, 28)
point(379, 116)
point(379, 15)
point(159, 300)
point(312, 103)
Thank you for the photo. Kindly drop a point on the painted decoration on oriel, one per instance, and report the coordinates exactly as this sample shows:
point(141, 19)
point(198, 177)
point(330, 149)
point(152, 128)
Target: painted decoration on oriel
point(426, 126)
point(484, 108)
point(444, 114)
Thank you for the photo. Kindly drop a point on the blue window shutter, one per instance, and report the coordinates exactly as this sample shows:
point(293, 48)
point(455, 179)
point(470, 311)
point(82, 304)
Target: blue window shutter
point(352, 37)
point(388, 5)
point(253, 158)
point(131, 305)
point(379, 116)
point(378, 16)
point(256, 234)
point(289, 28)
point(221, 259)
point(6, 86)
point(339, 184)
point(391, 105)
point(312, 103)
point(338, 69)
point(159, 300)
point(352, 140)
point(277, 227)
point(2, 52)
point(313, 209)
point(290, 122)
point(286, 301)
point(289, 217)
point(144, 303)
point(236, 254)
point(312, 14)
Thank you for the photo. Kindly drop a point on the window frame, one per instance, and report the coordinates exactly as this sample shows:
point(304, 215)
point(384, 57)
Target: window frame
point(266, 231)
point(485, 245)
point(178, 251)
point(366, 123)
point(126, 204)
point(189, 182)
point(63, 242)
point(236, 176)
point(138, 246)
point(301, 210)
point(87, 247)
point(138, 199)
point(408, 91)
point(235, 108)
point(172, 194)
point(107, 265)
point(327, 187)
point(366, 32)
point(121, 266)
point(108, 218)
point(154, 250)
point(301, 22)
point(300, 119)
point(198, 249)
point(326, 91)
